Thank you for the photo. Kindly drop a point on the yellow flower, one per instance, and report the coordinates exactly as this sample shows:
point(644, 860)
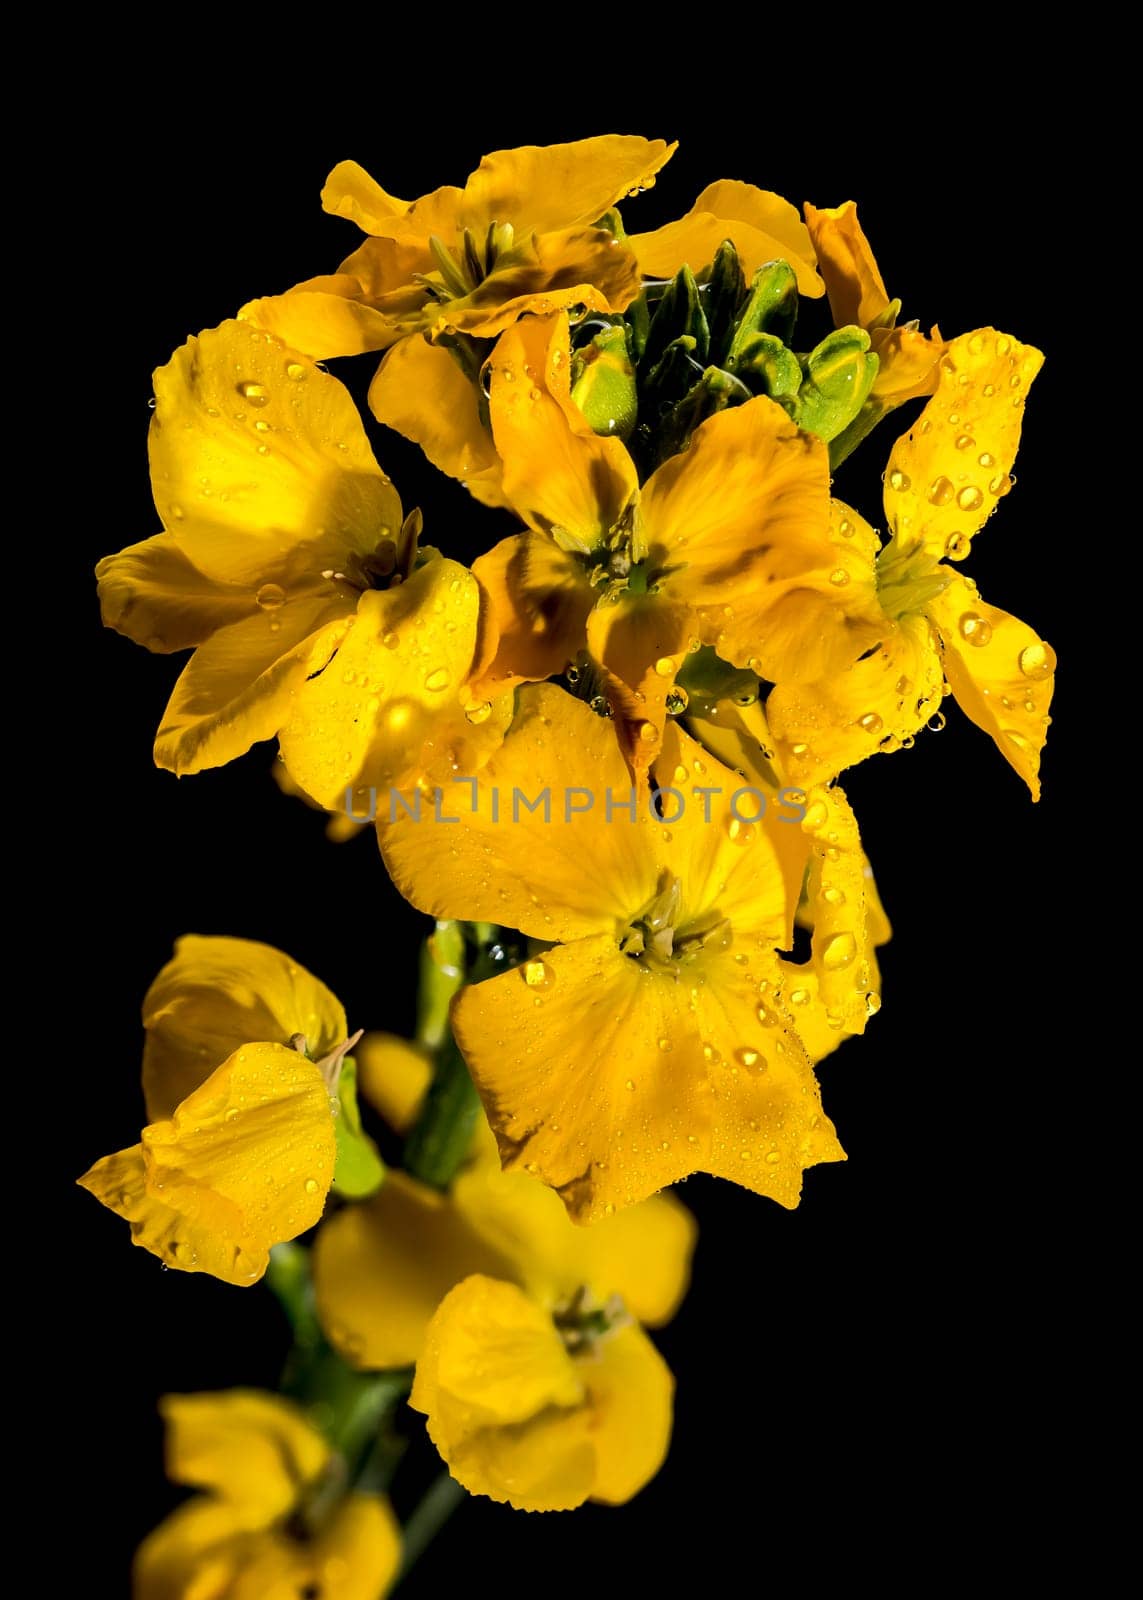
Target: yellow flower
point(946, 476)
point(262, 1527)
point(521, 236)
point(287, 564)
point(667, 933)
point(761, 226)
point(729, 544)
point(907, 359)
point(240, 1151)
point(475, 1287)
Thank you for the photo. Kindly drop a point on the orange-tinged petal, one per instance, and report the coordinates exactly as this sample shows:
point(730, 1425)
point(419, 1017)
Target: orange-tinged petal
point(524, 867)
point(584, 267)
point(152, 593)
point(741, 525)
point(255, 1450)
point(949, 472)
point(238, 688)
point(558, 475)
point(1001, 672)
point(195, 1554)
point(393, 1075)
point(245, 1162)
point(219, 994)
point(878, 703)
point(350, 192)
point(421, 392)
point(326, 323)
point(354, 1556)
point(640, 641)
point(667, 1089)
point(642, 1254)
point(539, 599)
point(853, 281)
point(761, 225)
point(393, 707)
point(907, 364)
point(544, 187)
point(259, 462)
point(383, 1266)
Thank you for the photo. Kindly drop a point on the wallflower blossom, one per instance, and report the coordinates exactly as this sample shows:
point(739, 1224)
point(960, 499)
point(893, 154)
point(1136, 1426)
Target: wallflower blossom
point(946, 477)
point(288, 566)
point(640, 1047)
point(761, 226)
point(263, 1526)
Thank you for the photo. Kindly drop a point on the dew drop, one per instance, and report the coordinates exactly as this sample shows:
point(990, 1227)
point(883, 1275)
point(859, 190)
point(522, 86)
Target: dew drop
point(295, 371)
point(798, 997)
point(665, 666)
point(311, 1186)
point(871, 722)
point(958, 545)
point(437, 679)
point(975, 628)
point(970, 498)
point(647, 732)
point(270, 596)
point(839, 577)
point(391, 641)
point(941, 491)
point(965, 441)
point(839, 952)
point(537, 974)
point(480, 713)
point(254, 393)
point(898, 480)
point(1037, 661)
point(677, 701)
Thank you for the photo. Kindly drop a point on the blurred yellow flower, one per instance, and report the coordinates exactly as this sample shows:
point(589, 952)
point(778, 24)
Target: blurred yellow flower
point(263, 1526)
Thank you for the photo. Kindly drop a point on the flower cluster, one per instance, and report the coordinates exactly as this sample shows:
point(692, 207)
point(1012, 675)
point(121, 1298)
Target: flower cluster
point(678, 631)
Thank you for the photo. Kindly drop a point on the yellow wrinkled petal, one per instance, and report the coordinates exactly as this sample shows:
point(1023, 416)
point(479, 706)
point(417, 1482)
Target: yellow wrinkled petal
point(323, 323)
point(218, 994)
point(152, 593)
point(558, 475)
point(640, 641)
point(821, 729)
point(949, 472)
point(761, 225)
point(238, 687)
point(383, 1266)
point(853, 281)
point(1002, 674)
point(525, 868)
point(745, 515)
point(539, 599)
point(421, 392)
point(245, 1162)
point(544, 187)
point(631, 1394)
point(195, 1554)
point(350, 192)
point(259, 463)
point(253, 1449)
point(642, 1254)
point(391, 707)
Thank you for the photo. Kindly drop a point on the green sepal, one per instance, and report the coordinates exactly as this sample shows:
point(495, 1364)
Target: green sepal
point(715, 391)
point(672, 376)
point(772, 306)
point(679, 314)
point(839, 374)
point(724, 284)
point(359, 1170)
point(611, 222)
point(764, 363)
point(639, 321)
point(603, 383)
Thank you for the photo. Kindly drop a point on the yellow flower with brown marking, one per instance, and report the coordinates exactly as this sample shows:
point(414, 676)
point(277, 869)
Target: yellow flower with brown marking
point(263, 1525)
point(289, 568)
point(243, 1053)
point(946, 477)
point(641, 1046)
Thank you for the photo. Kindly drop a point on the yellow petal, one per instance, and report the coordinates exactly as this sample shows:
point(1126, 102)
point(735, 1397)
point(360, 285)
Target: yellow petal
point(523, 867)
point(219, 994)
point(549, 272)
point(259, 463)
point(238, 688)
point(195, 1554)
point(643, 1254)
point(350, 192)
point(908, 364)
point(640, 641)
point(630, 1396)
point(741, 524)
point(421, 392)
point(559, 476)
point(324, 325)
point(392, 707)
point(245, 1162)
point(544, 187)
point(154, 595)
point(948, 473)
point(878, 703)
point(853, 281)
point(383, 1266)
point(1001, 672)
point(255, 1450)
point(393, 1075)
point(761, 225)
point(667, 1090)
point(502, 1399)
point(539, 599)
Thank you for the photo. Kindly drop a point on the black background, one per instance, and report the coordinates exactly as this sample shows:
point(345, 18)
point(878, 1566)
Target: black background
point(859, 1380)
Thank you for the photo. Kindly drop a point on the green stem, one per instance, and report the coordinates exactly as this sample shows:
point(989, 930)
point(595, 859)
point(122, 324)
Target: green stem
point(436, 1507)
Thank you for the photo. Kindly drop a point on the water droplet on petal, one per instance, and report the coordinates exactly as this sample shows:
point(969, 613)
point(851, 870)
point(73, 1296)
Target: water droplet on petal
point(897, 480)
point(839, 577)
point(295, 371)
point(1038, 660)
point(975, 628)
point(437, 679)
point(311, 1186)
point(254, 393)
point(480, 713)
point(957, 546)
point(970, 498)
point(270, 596)
point(941, 491)
point(871, 722)
point(538, 975)
point(839, 951)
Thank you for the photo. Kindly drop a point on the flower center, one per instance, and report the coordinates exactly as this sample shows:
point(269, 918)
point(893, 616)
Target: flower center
point(465, 267)
point(908, 579)
point(583, 1321)
point(388, 564)
point(659, 937)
